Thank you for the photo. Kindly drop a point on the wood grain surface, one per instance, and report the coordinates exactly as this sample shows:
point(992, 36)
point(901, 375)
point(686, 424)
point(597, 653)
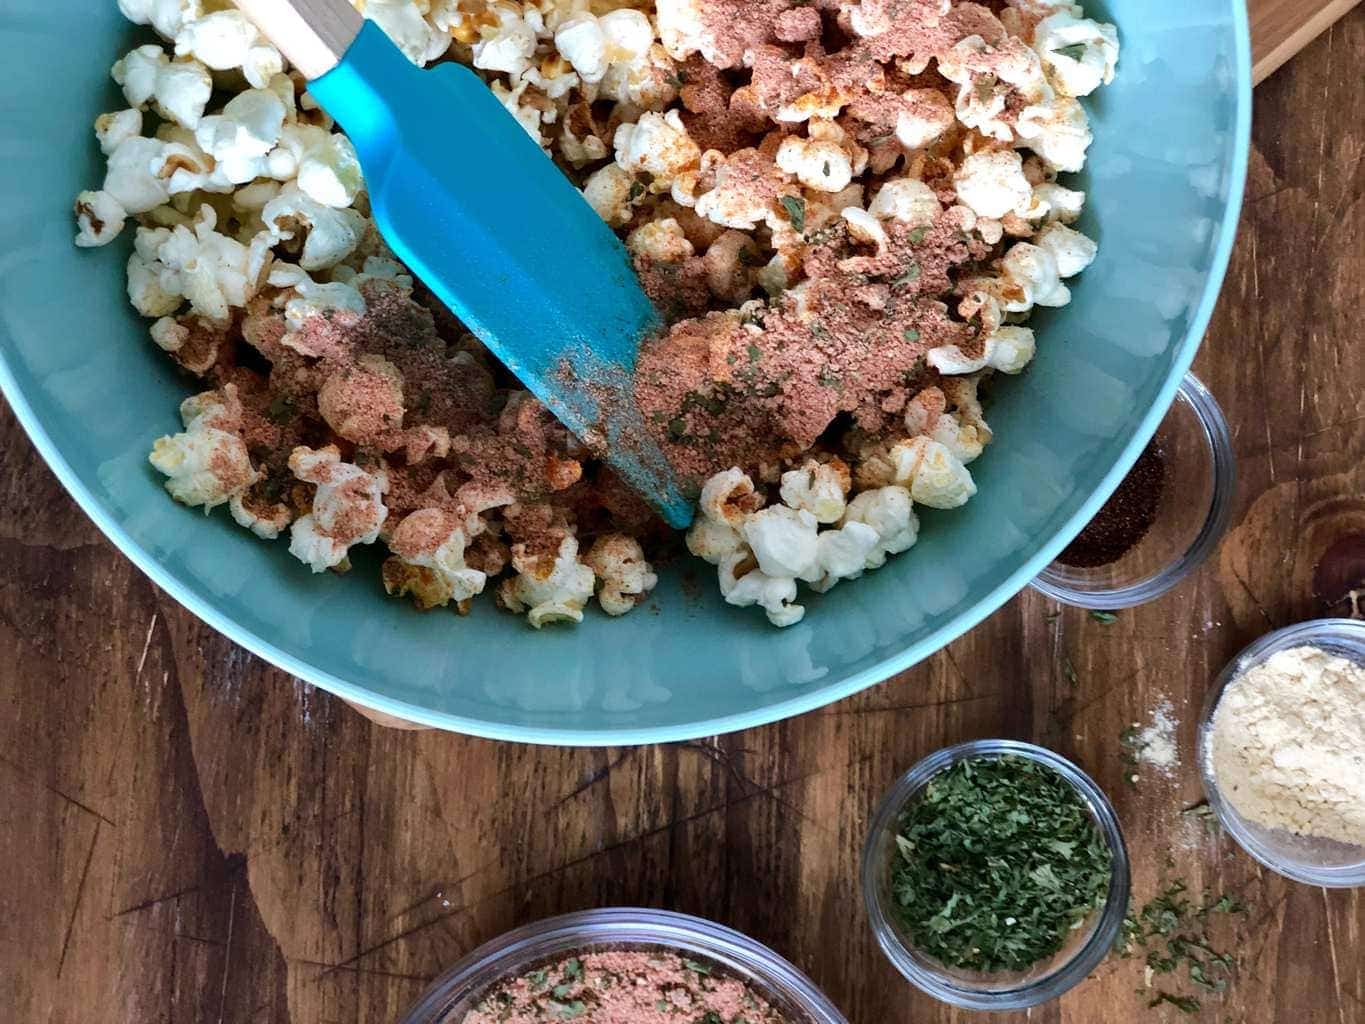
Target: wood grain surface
point(188, 835)
point(1281, 28)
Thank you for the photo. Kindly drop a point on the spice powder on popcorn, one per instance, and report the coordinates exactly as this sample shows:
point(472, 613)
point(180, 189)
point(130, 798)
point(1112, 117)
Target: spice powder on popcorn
point(725, 389)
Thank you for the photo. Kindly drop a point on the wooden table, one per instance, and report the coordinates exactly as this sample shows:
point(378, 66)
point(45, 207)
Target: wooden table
point(189, 835)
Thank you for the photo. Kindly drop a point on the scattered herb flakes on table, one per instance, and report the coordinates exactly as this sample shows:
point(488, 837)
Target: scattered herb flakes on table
point(999, 861)
point(1173, 931)
point(639, 986)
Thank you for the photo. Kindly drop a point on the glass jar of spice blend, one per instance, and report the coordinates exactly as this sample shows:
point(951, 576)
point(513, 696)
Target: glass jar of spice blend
point(1164, 519)
point(995, 875)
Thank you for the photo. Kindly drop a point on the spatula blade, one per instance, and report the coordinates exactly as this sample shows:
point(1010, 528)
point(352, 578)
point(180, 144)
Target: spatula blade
point(476, 209)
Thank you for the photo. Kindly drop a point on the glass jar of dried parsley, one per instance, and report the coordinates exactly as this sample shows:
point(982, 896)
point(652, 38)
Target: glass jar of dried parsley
point(995, 875)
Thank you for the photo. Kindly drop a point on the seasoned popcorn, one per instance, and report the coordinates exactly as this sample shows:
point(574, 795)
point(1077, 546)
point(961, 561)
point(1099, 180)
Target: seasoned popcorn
point(795, 185)
point(548, 590)
point(207, 464)
point(625, 577)
point(347, 507)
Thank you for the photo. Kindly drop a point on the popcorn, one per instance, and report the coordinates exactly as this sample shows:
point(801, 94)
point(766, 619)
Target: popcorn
point(927, 469)
point(888, 511)
point(527, 116)
point(579, 151)
point(333, 234)
point(629, 35)
point(819, 488)
point(729, 266)
point(376, 269)
point(324, 164)
point(864, 228)
point(554, 594)
point(626, 578)
point(348, 507)
point(581, 41)
point(182, 91)
point(207, 463)
point(364, 403)
point(658, 145)
point(993, 79)
point(1058, 131)
point(992, 183)
point(661, 240)
point(816, 164)
point(185, 168)
point(907, 200)
point(227, 41)
point(926, 118)
point(508, 46)
point(266, 520)
point(145, 291)
point(165, 16)
point(729, 497)
point(742, 194)
point(403, 23)
point(99, 219)
point(312, 299)
point(647, 82)
point(243, 134)
point(214, 272)
point(844, 553)
point(137, 72)
point(1079, 54)
point(1056, 203)
point(683, 31)
point(1034, 272)
point(435, 540)
point(774, 594)
point(112, 129)
point(611, 190)
point(1072, 250)
point(963, 434)
point(1009, 349)
point(713, 540)
point(784, 541)
point(129, 179)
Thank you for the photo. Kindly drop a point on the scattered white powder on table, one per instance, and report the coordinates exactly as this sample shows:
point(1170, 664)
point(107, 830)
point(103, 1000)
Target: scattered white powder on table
point(1156, 743)
point(1288, 744)
point(1153, 745)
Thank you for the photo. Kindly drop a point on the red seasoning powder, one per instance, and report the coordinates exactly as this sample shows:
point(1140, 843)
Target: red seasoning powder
point(718, 392)
point(624, 987)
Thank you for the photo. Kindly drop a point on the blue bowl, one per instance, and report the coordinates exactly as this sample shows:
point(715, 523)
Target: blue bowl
point(1165, 180)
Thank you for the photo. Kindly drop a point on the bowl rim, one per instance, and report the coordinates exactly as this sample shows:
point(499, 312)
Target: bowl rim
point(1027, 993)
point(1346, 633)
point(356, 693)
point(512, 950)
point(1053, 582)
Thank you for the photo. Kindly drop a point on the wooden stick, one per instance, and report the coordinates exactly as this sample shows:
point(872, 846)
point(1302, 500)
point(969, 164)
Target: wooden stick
point(312, 34)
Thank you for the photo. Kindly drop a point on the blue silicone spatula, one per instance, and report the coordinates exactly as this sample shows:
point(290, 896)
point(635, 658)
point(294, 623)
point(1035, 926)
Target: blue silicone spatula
point(475, 208)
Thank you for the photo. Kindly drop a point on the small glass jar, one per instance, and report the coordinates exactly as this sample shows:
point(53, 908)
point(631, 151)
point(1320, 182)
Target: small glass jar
point(1089, 944)
point(1307, 859)
point(1193, 513)
point(525, 949)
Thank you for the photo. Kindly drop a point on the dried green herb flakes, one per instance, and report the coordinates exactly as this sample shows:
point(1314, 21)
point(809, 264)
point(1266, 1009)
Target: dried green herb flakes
point(999, 861)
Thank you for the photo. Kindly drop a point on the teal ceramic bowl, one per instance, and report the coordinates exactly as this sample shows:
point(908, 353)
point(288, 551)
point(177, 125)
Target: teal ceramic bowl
point(1165, 181)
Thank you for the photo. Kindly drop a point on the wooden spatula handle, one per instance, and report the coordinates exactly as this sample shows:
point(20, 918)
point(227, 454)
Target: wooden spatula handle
point(313, 34)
